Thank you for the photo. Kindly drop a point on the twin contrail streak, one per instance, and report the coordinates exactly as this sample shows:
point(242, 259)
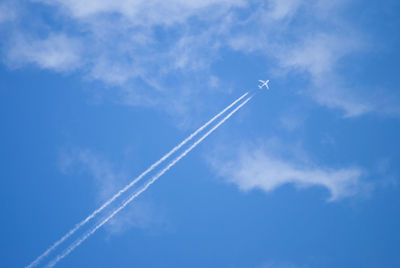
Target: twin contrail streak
point(127, 187)
point(145, 187)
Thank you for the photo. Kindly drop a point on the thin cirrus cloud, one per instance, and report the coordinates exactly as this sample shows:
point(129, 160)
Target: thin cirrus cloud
point(7, 12)
point(318, 55)
point(264, 169)
point(126, 51)
point(144, 215)
point(282, 9)
point(313, 52)
point(137, 46)
point(56, 52)
point(144, 12)
point(106, 179)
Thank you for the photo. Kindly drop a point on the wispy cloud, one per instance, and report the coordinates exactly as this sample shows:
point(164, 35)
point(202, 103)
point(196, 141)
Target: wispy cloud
point(279, 9)
point(153, 12)
point(108, 179)
point(133, 196)
point(136, 48)
point(7, 12)
point(142, 215)
point(139, 47)
point(261, 167)
point(318, 56)
point(283, 33)
point(101, 171)
point(56, 52)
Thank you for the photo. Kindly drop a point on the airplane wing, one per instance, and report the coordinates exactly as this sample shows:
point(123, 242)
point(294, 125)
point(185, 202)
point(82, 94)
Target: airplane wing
point(261, 81)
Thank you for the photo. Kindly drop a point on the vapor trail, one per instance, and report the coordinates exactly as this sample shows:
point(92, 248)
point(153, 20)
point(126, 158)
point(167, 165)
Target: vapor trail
point(147, 185)
point(127, 187)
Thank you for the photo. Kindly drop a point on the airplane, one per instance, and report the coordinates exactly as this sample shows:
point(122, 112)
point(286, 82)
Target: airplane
point(263, 83)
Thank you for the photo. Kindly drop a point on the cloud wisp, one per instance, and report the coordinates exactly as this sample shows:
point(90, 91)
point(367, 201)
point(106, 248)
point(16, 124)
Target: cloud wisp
point(138, 46)
point(146, 186)
point(109, 178)
point(56, 52)
point(132, 183)
point(259, 169)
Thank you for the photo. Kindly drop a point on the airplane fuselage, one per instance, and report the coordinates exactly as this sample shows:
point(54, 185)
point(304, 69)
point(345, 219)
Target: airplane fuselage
point(263, 84)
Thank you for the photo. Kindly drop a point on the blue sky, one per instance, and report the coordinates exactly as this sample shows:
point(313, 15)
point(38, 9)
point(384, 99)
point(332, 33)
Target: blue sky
point(304, 175)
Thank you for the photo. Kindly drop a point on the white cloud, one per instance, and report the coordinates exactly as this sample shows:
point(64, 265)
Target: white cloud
point(144, 12)
point(318, 55)
point(142, 214)
point(259, 167)
point(56, 52)
point(107, 181)
point(334, 95)
point(133, 48)
point(314, 52)
point(139, 47)
point(7, 12)
point(280, 9)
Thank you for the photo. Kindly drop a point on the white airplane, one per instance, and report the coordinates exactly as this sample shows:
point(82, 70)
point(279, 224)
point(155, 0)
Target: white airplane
point(263, 83)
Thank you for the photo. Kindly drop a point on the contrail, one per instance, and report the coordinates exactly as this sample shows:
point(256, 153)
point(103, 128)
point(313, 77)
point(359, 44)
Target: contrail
point(127, 187)
point(147, 185)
